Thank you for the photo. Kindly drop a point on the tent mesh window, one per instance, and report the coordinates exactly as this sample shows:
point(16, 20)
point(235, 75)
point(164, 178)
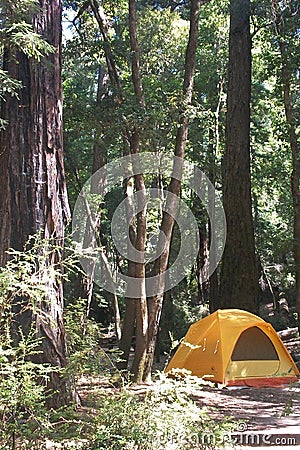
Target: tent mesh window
point(254, 344)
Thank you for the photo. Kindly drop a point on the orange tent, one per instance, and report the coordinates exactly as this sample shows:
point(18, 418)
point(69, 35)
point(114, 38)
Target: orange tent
point(234, 348)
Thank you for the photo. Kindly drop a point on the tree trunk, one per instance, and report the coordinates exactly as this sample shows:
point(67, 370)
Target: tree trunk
point(140, 233)
point(33, 194)
point(155, 303)
point(213, 149)
point(130, 303)
point(291, 122)
point(99, 161)
point(111, 65)
point(296, 203)
point(238, 279)
point(147, 319)
point(140, 275)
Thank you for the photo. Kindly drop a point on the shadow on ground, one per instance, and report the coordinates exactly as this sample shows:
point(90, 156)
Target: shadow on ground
point(260, 409)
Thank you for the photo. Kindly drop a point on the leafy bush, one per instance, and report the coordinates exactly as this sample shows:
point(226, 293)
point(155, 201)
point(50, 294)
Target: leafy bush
point(22, 391)
point(24, 285)
point(86, 357)
point(165, 417)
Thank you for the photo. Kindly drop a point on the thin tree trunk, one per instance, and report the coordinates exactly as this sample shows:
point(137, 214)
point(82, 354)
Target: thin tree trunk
point(213, 149)
point(99, 161)
point(130, 303)
point(141, 227)
point(33, 193)
point(111, 65)
point(139, 278)
point(131, 138)
point(128, 327)
point(203, 286)
point(238, 279)
point(155, 303)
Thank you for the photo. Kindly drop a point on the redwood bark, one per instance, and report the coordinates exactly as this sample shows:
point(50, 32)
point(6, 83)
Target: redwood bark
point(238, 279)
point(33, 193)
point(294, 145)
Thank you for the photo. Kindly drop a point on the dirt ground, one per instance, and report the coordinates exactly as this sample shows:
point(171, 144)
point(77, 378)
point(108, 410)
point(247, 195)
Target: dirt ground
point(266, 415)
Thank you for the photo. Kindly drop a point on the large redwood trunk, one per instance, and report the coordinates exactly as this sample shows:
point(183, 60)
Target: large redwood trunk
point(32, 191)
point(239, 279)
point(286, 78)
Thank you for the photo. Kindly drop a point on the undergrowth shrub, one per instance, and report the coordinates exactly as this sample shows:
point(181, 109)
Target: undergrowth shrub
point(24, 285)
point(23, 413)
point(164, 417)
point(84, 335)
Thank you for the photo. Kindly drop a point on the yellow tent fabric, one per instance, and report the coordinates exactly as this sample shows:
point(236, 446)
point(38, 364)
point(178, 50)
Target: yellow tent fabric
point(234, 347)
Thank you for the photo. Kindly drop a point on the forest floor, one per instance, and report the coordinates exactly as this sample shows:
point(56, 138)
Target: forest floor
point(267, 416)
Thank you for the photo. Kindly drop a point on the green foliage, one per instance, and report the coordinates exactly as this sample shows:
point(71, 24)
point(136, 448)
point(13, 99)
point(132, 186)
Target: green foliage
point(164, 416)
point(86, 357)
point(24, 281)
point(158, 417)
point(17, 33)
point(18, 10)
point(184, 313)
point(271, 158)
point(16, 29)
point(22, 382)
point(24, 285)
point(22, 390)
point(21, 36)
point(8, 85)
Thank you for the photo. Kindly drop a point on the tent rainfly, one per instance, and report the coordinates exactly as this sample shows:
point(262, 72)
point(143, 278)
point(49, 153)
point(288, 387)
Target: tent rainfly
point(235, 348)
